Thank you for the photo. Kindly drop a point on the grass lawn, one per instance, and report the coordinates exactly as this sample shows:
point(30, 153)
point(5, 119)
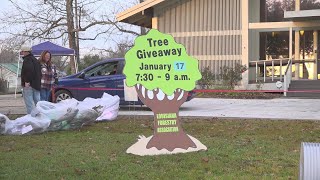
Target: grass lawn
point(237, 149)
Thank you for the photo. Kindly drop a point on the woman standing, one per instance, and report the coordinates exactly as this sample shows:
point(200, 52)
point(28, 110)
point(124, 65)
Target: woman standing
point(48, 71)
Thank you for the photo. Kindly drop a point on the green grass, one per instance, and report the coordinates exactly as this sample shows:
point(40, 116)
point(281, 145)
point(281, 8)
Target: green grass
point(237, 149)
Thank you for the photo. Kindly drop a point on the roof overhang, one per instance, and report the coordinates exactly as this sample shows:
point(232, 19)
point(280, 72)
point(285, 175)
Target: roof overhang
point(140, 14)
point(284, 26)
point(303, 15)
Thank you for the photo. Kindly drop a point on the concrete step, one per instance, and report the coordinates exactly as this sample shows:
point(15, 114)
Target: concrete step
point(304, 95)
point(309, 87)
point(304, 85)
point(306, 82)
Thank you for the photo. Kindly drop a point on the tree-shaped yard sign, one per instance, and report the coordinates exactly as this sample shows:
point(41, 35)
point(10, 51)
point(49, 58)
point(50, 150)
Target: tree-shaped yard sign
point(163, 73)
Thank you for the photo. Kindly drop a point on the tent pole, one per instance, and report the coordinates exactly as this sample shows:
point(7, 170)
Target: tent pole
point(75, 61)
point(15, 91)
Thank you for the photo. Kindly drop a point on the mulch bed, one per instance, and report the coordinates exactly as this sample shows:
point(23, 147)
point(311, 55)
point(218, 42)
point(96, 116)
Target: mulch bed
point(240, 95)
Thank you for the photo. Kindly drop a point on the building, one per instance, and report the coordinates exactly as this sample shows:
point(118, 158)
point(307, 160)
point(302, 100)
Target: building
point(276, 39)
point(8, 72)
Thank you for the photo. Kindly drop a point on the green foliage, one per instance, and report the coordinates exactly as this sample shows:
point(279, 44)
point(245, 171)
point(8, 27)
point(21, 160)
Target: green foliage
point(231, 76)
point(88, 60)
point(237, 149)
point(68, 70)
point(164, 79)
point(208, 78)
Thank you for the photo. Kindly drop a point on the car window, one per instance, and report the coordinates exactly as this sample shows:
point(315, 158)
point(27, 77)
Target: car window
point(103, 70)
point(120, 67)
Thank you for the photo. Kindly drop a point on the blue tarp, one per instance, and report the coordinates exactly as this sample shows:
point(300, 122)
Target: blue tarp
point(54, 49)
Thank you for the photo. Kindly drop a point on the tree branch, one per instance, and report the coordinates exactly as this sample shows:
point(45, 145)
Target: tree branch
point(98, 34)
point(123, 30)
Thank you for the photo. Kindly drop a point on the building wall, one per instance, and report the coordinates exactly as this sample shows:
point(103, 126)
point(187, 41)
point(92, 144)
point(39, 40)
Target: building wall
point(254, 38)
point(11, 78)
point(209, 29)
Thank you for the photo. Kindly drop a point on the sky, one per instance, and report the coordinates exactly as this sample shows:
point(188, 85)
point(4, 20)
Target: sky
point(86, 47)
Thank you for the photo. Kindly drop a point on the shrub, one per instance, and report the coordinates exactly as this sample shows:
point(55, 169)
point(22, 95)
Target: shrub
point(232, 76)
point(208, 78)
point(4, 86)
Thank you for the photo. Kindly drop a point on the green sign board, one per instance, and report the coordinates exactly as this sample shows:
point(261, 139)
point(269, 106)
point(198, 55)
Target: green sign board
point(162, 73)
point(157, 61)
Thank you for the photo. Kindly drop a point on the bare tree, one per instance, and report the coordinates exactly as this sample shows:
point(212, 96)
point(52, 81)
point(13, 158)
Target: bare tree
point(56, 19)
point(118, 51)
point(7, 55)
point(9, 52)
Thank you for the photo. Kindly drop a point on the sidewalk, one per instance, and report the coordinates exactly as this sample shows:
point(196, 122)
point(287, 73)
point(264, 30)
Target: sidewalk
point(11, 105)
point(287, 109)
point(276, 109)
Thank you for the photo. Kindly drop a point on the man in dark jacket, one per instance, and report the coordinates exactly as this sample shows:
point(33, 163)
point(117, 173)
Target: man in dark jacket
point(30, 78)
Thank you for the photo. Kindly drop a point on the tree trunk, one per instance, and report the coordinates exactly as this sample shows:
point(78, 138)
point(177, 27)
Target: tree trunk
point(168, 133)
point(71, 33)
point(77, 17)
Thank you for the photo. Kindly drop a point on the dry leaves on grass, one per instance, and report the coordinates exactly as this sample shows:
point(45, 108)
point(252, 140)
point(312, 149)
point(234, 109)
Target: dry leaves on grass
point(79, 171)
point(205, 159)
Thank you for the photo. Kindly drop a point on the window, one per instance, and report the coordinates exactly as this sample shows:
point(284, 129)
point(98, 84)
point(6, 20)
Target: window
point(102, 70)
point(309, 4)
point(274, 45)
point(273, 10)
point(11, 80)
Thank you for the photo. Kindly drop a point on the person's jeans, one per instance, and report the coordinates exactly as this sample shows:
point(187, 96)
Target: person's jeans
point(44, 94)
point(31, 97)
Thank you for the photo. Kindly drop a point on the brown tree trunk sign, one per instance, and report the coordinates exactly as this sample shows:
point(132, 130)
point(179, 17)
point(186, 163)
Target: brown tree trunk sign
point(163, 73)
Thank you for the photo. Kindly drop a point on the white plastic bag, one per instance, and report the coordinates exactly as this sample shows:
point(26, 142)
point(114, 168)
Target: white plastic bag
point(88, 111)
point(111, 107)
point(109, 113)
point(67, 114)
point(60, 114)
point(3, 120)
point(25, 124)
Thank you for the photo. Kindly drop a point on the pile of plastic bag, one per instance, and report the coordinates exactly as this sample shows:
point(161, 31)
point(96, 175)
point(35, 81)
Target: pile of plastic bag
point(67, 114)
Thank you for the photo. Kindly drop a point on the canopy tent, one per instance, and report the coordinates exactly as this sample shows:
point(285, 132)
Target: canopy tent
point(54, 49)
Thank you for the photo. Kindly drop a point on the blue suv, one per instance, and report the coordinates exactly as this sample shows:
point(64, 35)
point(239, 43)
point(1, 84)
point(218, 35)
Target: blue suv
point(93, 81)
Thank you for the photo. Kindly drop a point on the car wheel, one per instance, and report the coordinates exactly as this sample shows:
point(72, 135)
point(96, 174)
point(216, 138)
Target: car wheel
point(62, 95)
